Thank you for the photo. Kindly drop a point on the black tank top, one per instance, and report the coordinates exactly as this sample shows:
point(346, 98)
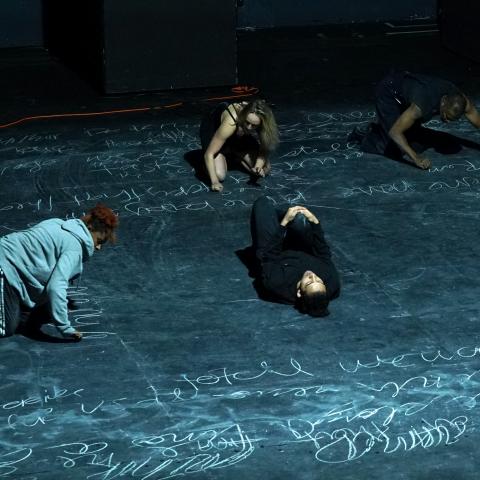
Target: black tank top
point(426, 92)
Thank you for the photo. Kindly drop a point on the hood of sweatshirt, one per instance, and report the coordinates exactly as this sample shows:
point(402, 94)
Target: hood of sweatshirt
point(80, 231)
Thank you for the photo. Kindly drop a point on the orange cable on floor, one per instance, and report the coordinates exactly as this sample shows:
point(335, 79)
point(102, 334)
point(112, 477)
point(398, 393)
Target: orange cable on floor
point(86, 114)
point(248, 91)
point(243, 91)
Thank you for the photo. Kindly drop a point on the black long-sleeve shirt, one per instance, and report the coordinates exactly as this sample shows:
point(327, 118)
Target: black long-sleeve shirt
point(282, 269)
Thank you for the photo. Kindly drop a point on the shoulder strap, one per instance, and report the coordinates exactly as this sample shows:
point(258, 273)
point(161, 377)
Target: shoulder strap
point(230, 113)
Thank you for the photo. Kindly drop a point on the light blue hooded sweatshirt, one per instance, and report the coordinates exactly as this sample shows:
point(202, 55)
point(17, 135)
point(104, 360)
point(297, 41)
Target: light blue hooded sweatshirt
point(39, 263)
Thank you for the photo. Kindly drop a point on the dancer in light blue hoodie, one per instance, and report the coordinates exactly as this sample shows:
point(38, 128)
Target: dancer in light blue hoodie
point(37, 264)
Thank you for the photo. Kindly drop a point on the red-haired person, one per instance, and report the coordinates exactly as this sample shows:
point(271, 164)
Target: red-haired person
point(37, 264)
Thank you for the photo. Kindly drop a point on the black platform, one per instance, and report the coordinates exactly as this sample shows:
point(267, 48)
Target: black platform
point(122, 46)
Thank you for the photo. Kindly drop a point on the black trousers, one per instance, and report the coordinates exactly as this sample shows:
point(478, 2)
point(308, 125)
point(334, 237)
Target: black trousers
point(265, 225)
point(9, 308)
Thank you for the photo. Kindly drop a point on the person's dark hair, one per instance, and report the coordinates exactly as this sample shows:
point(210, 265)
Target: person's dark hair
point(102, 219)
point(314, 304)
point(456, 104)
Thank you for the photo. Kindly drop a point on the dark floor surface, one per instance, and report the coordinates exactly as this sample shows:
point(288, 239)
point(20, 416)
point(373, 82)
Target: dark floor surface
point(183, 371)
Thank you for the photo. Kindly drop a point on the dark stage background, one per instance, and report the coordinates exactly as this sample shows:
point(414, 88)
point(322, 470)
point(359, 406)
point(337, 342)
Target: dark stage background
point(183, 371)
point(21, 20)
point(282, 13)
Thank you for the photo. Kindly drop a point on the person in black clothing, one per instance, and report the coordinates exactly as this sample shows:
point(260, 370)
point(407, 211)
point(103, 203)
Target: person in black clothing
point(404, 101)
point(294, 259)
point(244, 133)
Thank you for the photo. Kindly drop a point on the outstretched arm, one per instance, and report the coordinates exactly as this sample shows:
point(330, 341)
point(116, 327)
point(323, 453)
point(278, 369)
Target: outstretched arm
point(56, 290)
point(224, 131)
point(397, 134)
point(472, 113)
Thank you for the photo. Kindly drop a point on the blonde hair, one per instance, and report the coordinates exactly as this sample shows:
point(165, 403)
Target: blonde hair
point(268, 131)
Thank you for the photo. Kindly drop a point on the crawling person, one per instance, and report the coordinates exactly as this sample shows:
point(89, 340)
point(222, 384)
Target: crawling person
point(37, 264)
point(404, 102)
point(242, 135)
